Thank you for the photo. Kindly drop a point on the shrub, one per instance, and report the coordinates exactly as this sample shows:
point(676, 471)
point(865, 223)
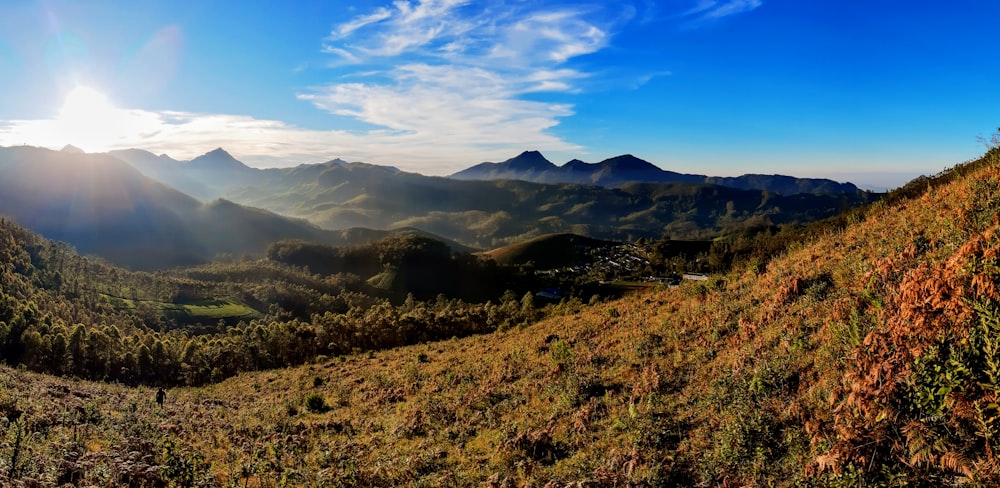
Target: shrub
point(316, 403)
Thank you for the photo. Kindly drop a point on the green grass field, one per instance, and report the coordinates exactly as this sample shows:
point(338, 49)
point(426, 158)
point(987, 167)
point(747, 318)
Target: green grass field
point(213, 309)
point(195, 311)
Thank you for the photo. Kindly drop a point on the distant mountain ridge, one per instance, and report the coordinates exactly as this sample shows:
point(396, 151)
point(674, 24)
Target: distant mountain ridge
point(198, 177)
point(489, 214)
point(102, 205)
point(614, 172)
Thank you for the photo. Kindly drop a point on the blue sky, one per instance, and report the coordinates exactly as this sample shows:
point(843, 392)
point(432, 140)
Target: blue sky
point(872, 92)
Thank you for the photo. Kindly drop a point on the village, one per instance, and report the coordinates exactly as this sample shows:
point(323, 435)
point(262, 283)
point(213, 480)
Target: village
point(625, 263)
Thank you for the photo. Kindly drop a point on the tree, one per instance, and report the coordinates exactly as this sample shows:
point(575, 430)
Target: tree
point(78, 349)
point(98, 355)
point(33, 353)
point(144, 363)
point(528, 307)
point(58, 353)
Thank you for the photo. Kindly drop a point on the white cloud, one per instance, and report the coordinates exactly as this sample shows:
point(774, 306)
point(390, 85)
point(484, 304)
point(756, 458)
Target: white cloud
point(554, 36)
point(461, 105)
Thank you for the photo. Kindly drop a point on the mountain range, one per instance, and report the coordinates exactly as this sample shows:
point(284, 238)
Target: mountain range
point(488, 214)
point(619, 170)
point(148, 211)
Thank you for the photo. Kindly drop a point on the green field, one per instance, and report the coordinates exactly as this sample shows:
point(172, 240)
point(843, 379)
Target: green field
point(213, 309)
point(204, 311)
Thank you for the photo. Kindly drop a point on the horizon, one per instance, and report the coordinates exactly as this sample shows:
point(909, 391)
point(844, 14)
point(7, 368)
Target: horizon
point(872, 94)
point(864, 185)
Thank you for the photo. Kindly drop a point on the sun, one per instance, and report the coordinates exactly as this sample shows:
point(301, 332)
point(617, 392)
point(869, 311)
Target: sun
point(83, 102)
point(88, 120)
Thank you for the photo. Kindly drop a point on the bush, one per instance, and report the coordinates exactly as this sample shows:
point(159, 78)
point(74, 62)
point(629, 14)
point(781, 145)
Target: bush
point(316, 403)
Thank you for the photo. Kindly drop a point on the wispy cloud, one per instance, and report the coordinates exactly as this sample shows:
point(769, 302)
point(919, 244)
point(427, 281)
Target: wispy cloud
point(641, 80)
point(403, 27)
point(709, 10)
point(472, 33)
point(348, 28)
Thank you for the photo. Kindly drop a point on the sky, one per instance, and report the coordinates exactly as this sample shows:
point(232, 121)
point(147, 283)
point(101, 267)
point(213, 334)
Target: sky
point(872, 92)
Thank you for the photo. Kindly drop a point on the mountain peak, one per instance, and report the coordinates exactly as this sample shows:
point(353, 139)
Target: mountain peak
point(527, 165)
point(529, 160)
point(217, 159)
point(628, 162)
point(69, 148)
point(576, 165)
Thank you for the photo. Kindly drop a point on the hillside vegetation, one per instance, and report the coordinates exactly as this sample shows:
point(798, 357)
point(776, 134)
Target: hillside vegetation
point(64, 314)
point(866, 355)
point(406, 265)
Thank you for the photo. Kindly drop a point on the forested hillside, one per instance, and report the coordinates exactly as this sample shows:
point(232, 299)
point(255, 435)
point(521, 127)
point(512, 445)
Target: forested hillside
point(64, 314)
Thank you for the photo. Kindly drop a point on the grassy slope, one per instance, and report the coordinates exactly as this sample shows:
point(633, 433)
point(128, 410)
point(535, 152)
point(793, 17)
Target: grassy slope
point(806, 370)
